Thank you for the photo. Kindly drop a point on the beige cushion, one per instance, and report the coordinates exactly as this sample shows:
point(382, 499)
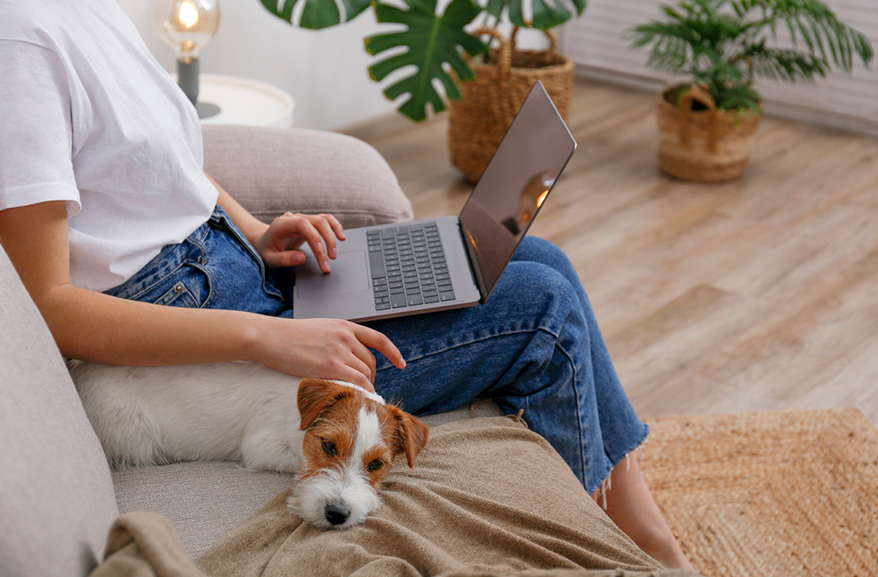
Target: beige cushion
point(479, 408)
point(56, 496)
point(203, 500)
point(274, 170)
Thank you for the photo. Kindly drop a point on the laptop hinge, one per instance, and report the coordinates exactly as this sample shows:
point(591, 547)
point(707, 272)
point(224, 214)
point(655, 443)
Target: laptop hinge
point(473, 262)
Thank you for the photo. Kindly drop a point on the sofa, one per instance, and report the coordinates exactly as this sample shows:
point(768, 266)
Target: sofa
point(58, 496)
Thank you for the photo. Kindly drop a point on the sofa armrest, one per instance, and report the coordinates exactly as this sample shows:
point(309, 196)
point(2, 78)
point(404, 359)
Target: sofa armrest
point(56, 495)
point(274, 170)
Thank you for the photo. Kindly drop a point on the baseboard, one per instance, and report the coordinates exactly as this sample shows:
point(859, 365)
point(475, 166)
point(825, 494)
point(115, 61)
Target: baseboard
point(772, 107)
point(379, 126)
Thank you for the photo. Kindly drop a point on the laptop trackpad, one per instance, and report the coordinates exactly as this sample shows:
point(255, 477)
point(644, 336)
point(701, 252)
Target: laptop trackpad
point(349, 274)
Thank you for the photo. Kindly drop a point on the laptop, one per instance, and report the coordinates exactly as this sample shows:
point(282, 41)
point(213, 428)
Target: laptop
point(448, 262)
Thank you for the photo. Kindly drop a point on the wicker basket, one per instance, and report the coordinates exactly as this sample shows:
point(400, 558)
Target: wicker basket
point(704, 145)
point(490, 101)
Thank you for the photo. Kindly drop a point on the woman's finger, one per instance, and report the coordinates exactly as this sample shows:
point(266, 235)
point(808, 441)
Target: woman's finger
point(357, 377)
point(365, 356)
point(336, 225)
point(324, 227)
point(315, 241)
point(378, 341)
point(286, 258)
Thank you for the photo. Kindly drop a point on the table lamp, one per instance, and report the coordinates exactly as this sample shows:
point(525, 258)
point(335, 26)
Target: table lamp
point(187, 26)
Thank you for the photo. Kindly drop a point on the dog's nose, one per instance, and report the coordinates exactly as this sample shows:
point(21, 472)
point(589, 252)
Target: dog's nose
point(337, 513)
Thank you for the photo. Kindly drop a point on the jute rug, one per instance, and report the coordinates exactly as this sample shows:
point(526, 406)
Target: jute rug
point(776, 493)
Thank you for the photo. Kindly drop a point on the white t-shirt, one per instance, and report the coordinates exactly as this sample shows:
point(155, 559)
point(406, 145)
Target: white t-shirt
point(89, 117)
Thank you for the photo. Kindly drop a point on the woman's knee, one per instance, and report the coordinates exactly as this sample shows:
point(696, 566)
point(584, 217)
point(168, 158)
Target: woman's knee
point(540, 250)
point(538, 290)
point(536, 249)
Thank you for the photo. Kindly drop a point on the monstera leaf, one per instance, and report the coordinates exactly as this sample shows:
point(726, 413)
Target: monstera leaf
point(317, 13)
point(432, 41)
point(429, 43)
point(545, 14)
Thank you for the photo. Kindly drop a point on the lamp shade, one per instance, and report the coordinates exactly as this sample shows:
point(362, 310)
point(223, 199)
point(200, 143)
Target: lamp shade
point(186, 25)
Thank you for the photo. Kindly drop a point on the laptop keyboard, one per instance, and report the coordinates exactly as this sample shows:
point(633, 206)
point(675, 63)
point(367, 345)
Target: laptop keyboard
point(408, 266)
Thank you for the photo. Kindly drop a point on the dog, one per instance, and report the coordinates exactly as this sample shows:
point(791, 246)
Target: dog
point(339, 439)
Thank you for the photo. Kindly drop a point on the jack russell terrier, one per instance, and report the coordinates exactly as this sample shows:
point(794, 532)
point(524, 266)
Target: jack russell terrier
point(337, 437)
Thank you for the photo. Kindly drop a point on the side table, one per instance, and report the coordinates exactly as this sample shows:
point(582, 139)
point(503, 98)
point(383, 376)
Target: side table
point(245, 101)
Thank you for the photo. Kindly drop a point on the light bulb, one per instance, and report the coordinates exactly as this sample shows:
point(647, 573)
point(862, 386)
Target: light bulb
point(186, 25)
point(187, 15)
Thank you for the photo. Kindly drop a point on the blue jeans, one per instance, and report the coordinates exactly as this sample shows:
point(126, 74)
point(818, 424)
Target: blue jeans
point(534, 345)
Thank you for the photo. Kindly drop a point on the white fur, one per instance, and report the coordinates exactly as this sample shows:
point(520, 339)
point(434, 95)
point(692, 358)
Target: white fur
point(368, 436)
point(346, 486)
point(222, 411)
point(373, 396)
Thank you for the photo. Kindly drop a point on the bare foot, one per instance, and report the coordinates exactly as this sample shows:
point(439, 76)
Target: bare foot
point(628, 502)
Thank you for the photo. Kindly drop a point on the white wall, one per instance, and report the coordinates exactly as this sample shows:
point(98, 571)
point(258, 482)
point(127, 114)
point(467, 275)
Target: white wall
point(325, 71)
point(599, 46)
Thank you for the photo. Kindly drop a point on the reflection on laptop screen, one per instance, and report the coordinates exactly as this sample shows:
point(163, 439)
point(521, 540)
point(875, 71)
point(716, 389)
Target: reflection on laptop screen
point(515, 184)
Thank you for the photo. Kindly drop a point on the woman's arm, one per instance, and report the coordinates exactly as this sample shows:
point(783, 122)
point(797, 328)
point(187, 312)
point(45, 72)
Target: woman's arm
point(96, 327)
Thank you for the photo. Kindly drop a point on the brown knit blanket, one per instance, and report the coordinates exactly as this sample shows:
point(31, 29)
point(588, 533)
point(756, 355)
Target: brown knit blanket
point(487, 497)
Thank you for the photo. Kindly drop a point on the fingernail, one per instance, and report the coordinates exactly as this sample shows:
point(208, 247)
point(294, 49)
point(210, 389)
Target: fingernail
point(298, 258)
point(333, 253)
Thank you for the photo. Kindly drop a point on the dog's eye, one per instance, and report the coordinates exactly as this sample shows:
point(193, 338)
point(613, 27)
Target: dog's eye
point(329, 448)
point(375, 465)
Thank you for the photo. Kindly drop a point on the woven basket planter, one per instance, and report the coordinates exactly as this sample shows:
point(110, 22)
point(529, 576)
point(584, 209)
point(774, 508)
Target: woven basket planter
point(490, 101)
point(703, 145)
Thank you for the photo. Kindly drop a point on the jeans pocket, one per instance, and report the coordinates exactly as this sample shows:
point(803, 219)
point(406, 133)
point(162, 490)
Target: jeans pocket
point(189, 286)
point(178, 296)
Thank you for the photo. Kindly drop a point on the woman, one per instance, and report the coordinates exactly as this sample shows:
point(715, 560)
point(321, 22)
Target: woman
point(114, 229)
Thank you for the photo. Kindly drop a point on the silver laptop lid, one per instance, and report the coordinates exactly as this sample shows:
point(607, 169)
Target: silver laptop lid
point(514, 186)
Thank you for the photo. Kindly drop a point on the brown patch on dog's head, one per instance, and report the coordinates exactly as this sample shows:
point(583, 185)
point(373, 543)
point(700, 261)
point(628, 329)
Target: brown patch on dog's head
point(316, 396)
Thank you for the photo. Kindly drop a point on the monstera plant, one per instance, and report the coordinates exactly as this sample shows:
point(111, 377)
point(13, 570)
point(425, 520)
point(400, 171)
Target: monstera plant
point(434, 41)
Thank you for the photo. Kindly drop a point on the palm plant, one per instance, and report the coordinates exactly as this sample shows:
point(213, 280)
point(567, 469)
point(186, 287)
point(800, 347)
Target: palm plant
point(433, 41)
point(725, 44)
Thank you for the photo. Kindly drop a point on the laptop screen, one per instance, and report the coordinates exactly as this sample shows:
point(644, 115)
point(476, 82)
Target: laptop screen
point(515, 184)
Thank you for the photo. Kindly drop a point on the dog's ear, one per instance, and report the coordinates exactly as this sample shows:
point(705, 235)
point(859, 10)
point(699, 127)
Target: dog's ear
point(411, 435)
point(317, 395)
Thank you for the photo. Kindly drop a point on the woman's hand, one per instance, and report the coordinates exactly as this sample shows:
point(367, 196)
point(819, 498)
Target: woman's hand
point(324, 348)
point(279, 245)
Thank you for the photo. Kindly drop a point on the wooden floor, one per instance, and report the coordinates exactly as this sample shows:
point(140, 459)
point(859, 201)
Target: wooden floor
point(761, 294)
